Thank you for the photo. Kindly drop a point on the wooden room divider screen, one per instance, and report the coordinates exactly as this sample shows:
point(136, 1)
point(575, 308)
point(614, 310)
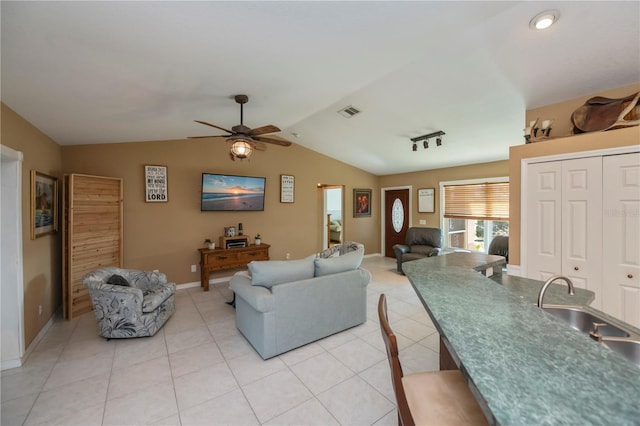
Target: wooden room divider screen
point(91, 235)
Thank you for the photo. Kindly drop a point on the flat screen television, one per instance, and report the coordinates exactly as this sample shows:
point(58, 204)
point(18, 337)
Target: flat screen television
point(232, 193)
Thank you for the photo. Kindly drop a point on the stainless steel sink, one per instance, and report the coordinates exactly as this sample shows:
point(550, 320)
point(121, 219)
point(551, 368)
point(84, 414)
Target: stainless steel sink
point(583, 321)
point(629, 349)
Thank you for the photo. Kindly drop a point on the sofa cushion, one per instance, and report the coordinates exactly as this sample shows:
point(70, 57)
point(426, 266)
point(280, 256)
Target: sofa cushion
point(116, 279)
point(267, 273)
point(334, 265)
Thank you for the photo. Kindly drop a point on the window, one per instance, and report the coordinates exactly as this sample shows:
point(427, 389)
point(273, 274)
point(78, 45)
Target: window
point(474, 213)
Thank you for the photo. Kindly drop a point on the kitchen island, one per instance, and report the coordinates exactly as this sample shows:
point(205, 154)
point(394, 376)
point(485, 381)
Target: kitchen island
point(523, 365)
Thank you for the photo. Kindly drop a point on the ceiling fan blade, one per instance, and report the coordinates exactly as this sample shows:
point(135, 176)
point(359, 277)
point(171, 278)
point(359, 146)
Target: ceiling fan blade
point(259, 146)
point(281, 142)
point(212, 136)
point(213, 125)
point(264, 129)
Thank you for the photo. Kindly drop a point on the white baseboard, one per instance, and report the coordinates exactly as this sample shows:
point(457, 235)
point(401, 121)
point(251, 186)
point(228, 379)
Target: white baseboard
point(34, 343)
point(197, 283)
point(514, 270)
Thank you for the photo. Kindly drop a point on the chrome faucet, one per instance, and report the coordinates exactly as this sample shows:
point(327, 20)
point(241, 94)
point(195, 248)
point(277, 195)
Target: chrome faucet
point(547, 283)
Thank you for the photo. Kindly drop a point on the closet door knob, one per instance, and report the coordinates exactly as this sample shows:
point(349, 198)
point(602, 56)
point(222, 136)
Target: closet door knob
point(629, 276)
point(575, 268)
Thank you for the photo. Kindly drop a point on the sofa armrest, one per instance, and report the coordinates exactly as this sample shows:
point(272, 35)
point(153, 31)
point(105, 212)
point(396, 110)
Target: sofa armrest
point(259, 298)
point(400, 249)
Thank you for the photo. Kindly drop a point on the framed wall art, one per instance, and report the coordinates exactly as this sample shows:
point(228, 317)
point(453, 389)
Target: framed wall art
point(426, 198)
point(361, 202)
point(287, 188)
point(155, 184)
point(44, 204)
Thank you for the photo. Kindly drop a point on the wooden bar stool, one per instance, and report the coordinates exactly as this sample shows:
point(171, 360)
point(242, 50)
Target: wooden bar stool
point(429, 398)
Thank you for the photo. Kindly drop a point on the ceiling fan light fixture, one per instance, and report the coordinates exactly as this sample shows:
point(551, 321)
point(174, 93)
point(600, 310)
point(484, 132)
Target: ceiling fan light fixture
point(240, 147)
point(544, 20)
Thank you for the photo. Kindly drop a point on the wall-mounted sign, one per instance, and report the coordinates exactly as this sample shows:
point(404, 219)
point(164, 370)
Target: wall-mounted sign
point(426, 200)
point(155, 184)
point(286, 188)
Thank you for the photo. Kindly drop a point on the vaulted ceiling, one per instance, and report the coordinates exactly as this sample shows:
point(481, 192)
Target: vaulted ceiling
point(103, 72)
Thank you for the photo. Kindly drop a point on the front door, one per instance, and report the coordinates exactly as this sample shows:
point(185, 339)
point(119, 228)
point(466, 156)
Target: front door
point(396, 208)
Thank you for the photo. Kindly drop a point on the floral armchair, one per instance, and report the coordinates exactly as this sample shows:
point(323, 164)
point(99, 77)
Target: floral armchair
point(129, 302)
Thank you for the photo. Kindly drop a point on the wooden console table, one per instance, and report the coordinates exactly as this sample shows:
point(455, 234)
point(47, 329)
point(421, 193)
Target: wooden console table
point(217, 259)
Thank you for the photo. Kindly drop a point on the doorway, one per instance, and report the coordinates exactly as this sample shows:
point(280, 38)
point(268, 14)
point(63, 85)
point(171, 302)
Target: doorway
point(396, 217)
point(11, 280)
point(332, 217)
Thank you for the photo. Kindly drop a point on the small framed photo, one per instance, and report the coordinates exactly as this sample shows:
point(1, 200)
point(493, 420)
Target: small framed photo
point(44, 204)
point(361, 202)
point(426, 202)
point(155, 184)
point(287, 188)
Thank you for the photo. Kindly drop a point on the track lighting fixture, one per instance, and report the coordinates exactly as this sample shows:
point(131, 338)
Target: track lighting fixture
point(425, 139)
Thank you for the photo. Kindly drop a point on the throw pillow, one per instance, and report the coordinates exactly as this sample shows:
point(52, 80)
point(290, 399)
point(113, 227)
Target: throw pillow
point(267, 273)
point(116, 279)
point(333, 265)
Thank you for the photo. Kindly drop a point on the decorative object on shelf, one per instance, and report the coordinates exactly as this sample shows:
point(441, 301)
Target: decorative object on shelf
point(229, 231)
point(210, 244)
point(257, 240)
point(286, 188)
point(361, 202)
point(600, 113)
point(425, 139)
point(426, 198)
point(531, 132)
point(240, 232)
point(155, 184)
point(44, 204)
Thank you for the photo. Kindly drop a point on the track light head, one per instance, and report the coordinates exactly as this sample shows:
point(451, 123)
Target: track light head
point(425, 144)
point(439, 141)
point(415, 146)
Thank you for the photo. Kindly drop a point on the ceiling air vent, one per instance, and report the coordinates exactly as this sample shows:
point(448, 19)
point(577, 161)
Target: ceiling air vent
point(348, 112)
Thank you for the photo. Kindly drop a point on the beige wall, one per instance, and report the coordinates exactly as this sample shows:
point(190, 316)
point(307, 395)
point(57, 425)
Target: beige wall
point(166, 236)
point(432, 179)
point(41, 257)
point(555, 146)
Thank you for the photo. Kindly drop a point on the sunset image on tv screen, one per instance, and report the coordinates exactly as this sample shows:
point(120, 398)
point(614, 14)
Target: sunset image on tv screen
point(229, 193)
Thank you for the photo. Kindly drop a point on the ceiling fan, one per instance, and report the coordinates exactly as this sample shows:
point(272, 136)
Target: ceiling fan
point(243, 139)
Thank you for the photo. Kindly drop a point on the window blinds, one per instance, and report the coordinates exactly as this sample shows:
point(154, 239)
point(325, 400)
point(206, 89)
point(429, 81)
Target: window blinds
point(478, 201)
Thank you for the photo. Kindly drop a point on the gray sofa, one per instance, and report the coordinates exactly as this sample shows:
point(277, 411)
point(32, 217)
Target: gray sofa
point(419, 243)
point(282, 305)
point(129, 302)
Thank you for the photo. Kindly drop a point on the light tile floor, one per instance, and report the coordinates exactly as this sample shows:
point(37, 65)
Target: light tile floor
point(198, 369)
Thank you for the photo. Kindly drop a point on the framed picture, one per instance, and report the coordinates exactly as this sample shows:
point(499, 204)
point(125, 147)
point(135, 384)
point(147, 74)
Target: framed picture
point(155, 184)
point(44, 204)
point(287, 188)
point(426, 200)
point(361, 202)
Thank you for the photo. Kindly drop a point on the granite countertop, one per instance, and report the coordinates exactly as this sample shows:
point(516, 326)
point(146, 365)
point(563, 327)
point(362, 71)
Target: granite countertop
point(527, 366)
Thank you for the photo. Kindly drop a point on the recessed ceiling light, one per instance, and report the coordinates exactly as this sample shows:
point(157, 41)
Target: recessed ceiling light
point(544, 20)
